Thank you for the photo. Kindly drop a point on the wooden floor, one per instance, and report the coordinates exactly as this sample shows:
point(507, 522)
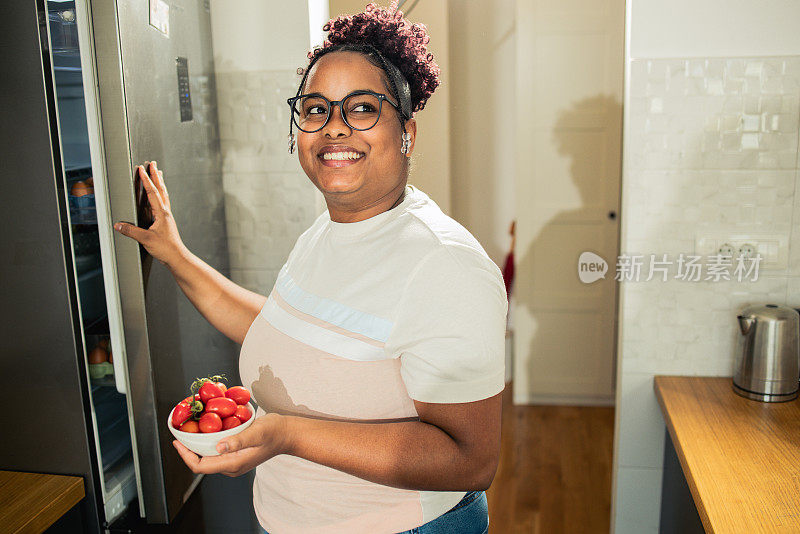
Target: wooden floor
point(555, 470)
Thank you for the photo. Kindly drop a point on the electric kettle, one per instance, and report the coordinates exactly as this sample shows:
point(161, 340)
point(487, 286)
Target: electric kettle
point(768, 367)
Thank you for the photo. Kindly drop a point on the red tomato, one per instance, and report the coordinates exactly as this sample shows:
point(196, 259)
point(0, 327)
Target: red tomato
point(222, 387)
point(210, 390)
point(188, 400)
point(181, 413)
point(230, 422)
point(223, 406)
point(210, 422)
point(242, 413)
point(239, 394)
point(190, 426)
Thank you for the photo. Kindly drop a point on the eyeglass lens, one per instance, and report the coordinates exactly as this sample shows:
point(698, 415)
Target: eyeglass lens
point(360, 112)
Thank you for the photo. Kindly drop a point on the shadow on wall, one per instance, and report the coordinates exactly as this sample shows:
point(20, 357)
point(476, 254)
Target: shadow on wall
point(564, 343)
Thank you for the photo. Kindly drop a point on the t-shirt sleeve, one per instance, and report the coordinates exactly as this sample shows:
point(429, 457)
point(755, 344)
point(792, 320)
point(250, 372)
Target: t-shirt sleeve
point(449, 331)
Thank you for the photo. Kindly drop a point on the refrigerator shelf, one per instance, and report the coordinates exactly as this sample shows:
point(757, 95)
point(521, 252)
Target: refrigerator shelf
point(103, 382)
point(87, 262)
point(120, 482)
point(109, 407)
point(82, 209)
point(78, 172)
point(115, 442)
point(92, 295)
point(111, 412)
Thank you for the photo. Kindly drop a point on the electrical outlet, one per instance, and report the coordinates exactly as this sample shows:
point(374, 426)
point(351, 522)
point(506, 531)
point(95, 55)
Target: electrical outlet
point(774, 248)
point(726, 249)
point(748, 250)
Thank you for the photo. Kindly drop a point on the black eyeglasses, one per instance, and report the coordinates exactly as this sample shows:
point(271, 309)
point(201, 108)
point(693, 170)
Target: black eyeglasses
point(360, 110)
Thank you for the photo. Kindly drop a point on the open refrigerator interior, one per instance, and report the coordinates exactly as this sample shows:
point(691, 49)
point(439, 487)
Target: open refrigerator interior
point(93, 259)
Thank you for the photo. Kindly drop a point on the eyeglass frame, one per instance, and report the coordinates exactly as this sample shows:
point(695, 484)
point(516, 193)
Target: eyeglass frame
point(333, 103)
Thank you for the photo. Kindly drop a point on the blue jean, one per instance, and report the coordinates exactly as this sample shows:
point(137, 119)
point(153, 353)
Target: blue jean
point(469, 516)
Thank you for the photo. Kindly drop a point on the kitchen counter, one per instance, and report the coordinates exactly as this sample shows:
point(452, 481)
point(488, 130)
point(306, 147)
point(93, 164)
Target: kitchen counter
point(31, 502)
point(740, 458)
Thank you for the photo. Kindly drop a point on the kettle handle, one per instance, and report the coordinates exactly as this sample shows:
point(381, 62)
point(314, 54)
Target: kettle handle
point(745, 323)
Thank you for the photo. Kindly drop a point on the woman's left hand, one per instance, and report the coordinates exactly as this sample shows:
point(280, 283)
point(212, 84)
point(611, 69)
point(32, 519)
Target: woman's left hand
point(262, 440)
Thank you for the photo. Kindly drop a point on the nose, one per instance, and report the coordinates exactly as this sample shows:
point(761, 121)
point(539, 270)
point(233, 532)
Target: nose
point(336, 126)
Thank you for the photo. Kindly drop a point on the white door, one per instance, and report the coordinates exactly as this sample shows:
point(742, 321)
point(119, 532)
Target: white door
point(570, 60)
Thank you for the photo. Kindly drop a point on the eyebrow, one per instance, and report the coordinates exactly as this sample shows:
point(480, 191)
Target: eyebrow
point(351, 92)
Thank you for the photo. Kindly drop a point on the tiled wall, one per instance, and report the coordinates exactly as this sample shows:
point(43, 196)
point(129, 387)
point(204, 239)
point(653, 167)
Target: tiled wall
point(269, 201)
point(711, 146)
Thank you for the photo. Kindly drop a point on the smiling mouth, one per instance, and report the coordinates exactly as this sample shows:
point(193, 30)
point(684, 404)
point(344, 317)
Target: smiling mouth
point(342, 156)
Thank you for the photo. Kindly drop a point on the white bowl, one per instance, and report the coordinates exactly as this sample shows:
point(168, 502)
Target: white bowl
point(205, 443)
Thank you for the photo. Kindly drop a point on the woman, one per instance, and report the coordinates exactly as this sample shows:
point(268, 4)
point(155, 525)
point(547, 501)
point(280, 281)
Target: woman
point(377, 360)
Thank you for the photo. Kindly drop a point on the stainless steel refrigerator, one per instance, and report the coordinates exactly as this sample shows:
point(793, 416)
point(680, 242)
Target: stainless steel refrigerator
point(91, 89)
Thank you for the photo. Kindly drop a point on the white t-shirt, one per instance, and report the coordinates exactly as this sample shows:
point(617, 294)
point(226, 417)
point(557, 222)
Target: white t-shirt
point(363, 318)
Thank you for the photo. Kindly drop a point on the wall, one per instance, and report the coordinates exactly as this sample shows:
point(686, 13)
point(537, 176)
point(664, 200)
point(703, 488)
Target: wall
point(269, 201)
point(718, 28)
point(482, 115)
point(430, 163)
point(710, 145)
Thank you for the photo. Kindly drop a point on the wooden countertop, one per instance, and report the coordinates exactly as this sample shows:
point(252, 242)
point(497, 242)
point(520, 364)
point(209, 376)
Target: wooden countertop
point(741, 458)
point(31, 502)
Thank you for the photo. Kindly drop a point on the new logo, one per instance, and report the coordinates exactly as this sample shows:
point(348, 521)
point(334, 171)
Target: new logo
point(591, 267)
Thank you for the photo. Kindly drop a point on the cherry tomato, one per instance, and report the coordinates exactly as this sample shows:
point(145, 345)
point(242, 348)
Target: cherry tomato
point(180, 414)
point(242, 413)
point(230, 422)
point(239, 394)
point(222, 387)
point(210, 422)
point(190, 426)
point(223, 406)
point(210, 390)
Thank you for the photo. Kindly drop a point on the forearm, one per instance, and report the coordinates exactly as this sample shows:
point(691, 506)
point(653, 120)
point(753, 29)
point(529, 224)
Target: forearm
point(408, 454)
point(229, 307)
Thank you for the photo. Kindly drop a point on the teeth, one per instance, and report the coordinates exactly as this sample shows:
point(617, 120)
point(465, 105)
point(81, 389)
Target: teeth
point(341, 156)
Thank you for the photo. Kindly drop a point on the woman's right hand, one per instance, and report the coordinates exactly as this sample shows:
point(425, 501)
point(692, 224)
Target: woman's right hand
point(162, 239)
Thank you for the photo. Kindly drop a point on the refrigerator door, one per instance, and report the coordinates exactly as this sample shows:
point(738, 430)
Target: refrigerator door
point(41, 343)
point(157, 102)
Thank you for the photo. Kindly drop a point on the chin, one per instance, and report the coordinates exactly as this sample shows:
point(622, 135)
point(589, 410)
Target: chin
point(338, 185)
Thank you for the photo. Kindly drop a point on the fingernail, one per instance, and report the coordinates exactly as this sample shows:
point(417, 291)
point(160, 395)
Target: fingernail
point(222, 447)
point(118, 226)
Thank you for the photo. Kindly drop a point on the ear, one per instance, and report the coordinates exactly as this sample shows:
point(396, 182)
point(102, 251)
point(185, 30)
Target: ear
point(411, 127)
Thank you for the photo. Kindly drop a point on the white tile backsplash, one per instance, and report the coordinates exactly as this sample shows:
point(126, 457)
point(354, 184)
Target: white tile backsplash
point(269, 201)
point(711, 147)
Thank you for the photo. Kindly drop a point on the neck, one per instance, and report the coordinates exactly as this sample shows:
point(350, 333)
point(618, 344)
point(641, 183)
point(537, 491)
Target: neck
point(388, 201)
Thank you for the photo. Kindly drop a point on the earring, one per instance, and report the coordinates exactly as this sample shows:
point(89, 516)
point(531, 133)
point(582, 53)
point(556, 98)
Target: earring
point(291, 143)
point(406, 146)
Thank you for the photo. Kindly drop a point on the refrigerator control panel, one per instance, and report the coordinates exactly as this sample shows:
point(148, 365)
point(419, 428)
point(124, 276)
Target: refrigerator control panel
point(184, 98)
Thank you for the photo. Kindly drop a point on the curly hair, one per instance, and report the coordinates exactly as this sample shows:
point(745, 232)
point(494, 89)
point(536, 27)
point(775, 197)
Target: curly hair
point(392, 43)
